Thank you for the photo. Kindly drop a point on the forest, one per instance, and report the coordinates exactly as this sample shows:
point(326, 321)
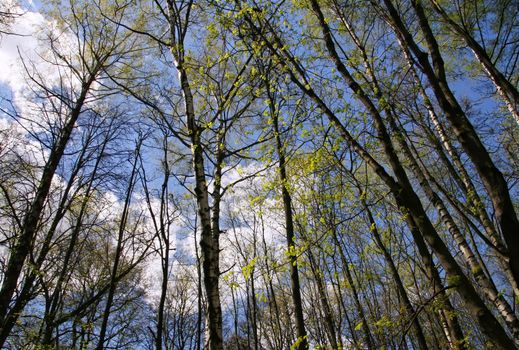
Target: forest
point(259, 174)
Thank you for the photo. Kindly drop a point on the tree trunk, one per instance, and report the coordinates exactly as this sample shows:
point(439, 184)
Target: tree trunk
point(118, 250)
point(507, 91)
point(492, 178)
point(25, 240)
point(410, 310)
point(325, 304)
point(290, 236)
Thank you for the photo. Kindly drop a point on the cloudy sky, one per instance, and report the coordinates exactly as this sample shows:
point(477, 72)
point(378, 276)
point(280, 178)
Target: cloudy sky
point(25, 45)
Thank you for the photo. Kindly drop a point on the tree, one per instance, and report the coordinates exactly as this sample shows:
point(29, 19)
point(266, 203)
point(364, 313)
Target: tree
point(8, 14)
point(65, 102)
point(272, 174)
point(401, 188)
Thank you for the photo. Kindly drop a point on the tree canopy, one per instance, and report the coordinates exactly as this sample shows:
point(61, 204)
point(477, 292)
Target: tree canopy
point(259, 174)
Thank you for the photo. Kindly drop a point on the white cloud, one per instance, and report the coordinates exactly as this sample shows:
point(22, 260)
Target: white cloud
point(28, 26)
